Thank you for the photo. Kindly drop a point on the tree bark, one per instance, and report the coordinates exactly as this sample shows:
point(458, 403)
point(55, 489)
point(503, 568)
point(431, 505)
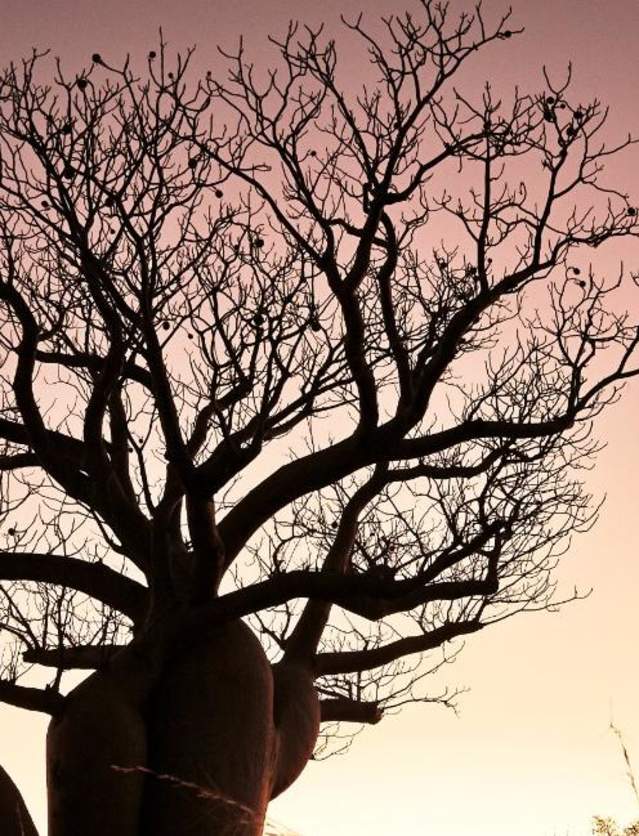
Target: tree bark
point(211, 727)
point(14, 816)
point(100, 727)
point(198, 750)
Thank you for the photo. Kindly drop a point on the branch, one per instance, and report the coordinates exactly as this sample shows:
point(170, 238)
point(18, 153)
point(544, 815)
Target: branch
point(342, 710)
point(176, 449)
point(18, 460)
point(127, 520)
point(304, 639)
point(94, 363)
point(45, 700)
point(82, 657)
point(447, 471)
point(94, 579)
point(18, 434)
point(411, 448)
point(370, 597)
point(398, 348)
point(323, 467)
point(364, 660)
point(289, 482)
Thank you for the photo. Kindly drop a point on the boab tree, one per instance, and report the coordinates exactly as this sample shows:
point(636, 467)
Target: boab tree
point(267, 441)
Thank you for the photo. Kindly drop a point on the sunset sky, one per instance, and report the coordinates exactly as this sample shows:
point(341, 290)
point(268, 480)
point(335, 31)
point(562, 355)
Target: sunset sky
point(530, 752)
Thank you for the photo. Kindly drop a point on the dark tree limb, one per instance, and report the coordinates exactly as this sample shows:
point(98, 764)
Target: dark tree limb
point(369, 597)
point(16, 461)
point(342, 710)
point(83, 657)
point(364, 660)
point(94, 363)
point(321, 468)
point(94, 579)
point(17, 433)
point(44, 700)
point(307, 633)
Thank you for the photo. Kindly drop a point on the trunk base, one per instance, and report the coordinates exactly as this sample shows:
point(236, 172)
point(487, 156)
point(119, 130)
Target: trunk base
point(202, 753)
point(211, 727)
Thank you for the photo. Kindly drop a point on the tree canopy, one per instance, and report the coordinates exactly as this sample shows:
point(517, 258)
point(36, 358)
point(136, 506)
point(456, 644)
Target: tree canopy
point(278, 347)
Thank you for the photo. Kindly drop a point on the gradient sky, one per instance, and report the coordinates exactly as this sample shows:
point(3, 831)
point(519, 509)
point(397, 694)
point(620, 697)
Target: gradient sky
point(530, 753)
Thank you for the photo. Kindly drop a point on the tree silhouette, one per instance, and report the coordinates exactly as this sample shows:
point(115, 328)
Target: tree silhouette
point(266, 440)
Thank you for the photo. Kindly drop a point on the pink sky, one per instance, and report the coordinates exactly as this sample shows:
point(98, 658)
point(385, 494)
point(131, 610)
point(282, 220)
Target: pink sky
point(530, 753)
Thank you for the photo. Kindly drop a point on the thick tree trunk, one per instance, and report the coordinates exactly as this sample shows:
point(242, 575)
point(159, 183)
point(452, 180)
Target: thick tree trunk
point(211, 725)
point(101, 727)
point(14, 816)
point(201, 753)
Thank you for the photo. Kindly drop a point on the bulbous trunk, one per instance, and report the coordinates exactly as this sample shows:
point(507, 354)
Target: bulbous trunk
point(297, 721)
point(100, 731)
point(198, 750)
point(211, 726)
point(14, 816)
